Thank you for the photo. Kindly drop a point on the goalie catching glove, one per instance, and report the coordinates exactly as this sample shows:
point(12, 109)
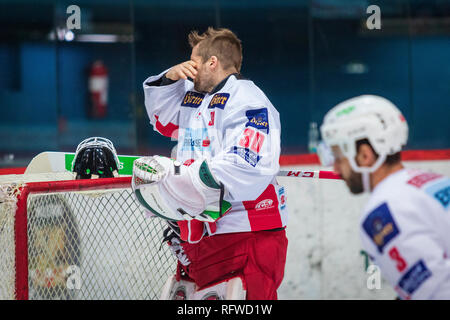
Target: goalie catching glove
point(176, 192)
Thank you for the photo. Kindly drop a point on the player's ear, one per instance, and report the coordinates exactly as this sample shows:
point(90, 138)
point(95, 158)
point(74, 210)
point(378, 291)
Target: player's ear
point(213, 62)
point(366, 157)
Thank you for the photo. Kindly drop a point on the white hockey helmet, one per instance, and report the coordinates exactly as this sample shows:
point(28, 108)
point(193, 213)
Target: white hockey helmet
point(365, 117)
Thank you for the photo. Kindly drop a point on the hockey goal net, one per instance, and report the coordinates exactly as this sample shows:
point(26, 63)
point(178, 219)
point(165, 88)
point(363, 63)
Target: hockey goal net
point(78, 239)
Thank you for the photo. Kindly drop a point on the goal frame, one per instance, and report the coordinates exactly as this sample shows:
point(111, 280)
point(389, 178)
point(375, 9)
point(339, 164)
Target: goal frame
point(21, 219)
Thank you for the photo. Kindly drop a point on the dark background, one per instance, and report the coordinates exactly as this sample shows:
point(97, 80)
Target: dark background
point(307, 56)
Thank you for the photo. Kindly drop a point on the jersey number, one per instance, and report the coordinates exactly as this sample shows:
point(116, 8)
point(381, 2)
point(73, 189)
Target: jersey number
point(211, 122)
point(395, 255)
point(252, 140)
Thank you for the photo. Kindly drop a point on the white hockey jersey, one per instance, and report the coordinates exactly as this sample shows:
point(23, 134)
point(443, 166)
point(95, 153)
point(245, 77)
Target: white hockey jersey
point(238, 130)
point(405, 229)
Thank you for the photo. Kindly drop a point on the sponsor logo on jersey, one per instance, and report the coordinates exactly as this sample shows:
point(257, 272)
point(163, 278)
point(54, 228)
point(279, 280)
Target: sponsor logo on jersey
point(258, 119)
point(219, 100)
point(188, 162)
point(264, 204)
point(421, 179)
point(380, 226)
point(195, 139)
point(441, 192)
point(413, 279)
point(192, 99)
point(206, 142)
point(282, 197)
point(251, 157)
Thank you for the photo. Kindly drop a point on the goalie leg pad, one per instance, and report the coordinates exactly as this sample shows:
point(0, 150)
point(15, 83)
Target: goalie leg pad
point(177, 290)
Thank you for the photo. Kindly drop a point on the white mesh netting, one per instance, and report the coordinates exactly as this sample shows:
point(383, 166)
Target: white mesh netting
point(7, 242)
point(86, 245)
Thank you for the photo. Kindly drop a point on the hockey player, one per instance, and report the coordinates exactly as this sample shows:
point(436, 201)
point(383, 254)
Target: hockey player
point(405, 224)
point(221, 193)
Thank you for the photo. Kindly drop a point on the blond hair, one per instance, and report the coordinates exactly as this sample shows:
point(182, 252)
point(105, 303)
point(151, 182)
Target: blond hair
point(222, 43)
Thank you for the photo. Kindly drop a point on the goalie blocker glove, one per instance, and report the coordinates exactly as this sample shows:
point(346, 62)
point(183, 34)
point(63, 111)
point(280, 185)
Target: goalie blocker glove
point(95, 157)
point(178, 192)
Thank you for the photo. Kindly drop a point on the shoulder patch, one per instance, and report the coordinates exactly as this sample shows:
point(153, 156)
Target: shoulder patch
point(413, 278)
point(192, 99)
point(380, 226)
point(440, 191)
point(258, 119)
point(219, 100)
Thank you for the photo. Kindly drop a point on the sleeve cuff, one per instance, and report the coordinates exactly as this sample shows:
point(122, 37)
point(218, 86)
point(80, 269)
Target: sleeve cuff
point(162, 81)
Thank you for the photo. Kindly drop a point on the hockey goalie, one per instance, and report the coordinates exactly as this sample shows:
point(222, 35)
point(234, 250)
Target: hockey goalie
point(225, 210)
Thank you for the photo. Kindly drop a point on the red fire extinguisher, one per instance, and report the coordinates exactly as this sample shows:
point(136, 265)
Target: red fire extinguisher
point(98, 89)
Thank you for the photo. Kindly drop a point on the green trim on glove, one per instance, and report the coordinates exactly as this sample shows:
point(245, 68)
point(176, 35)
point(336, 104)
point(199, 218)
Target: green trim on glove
point(141, 200)
point(207, 177)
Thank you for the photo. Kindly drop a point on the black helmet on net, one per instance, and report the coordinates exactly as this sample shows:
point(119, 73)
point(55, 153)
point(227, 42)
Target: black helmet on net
point(95, 157)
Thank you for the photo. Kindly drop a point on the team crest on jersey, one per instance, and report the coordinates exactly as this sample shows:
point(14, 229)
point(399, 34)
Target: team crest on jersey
point(380, 226)
point(258, 119)
point(441, 192)
point(219, 100)
point(192, 99)
point(413, 279)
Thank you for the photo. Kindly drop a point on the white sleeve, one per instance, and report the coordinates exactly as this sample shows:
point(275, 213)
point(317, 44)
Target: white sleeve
point(399, 234)
point(163, 102)
point(250, 153)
